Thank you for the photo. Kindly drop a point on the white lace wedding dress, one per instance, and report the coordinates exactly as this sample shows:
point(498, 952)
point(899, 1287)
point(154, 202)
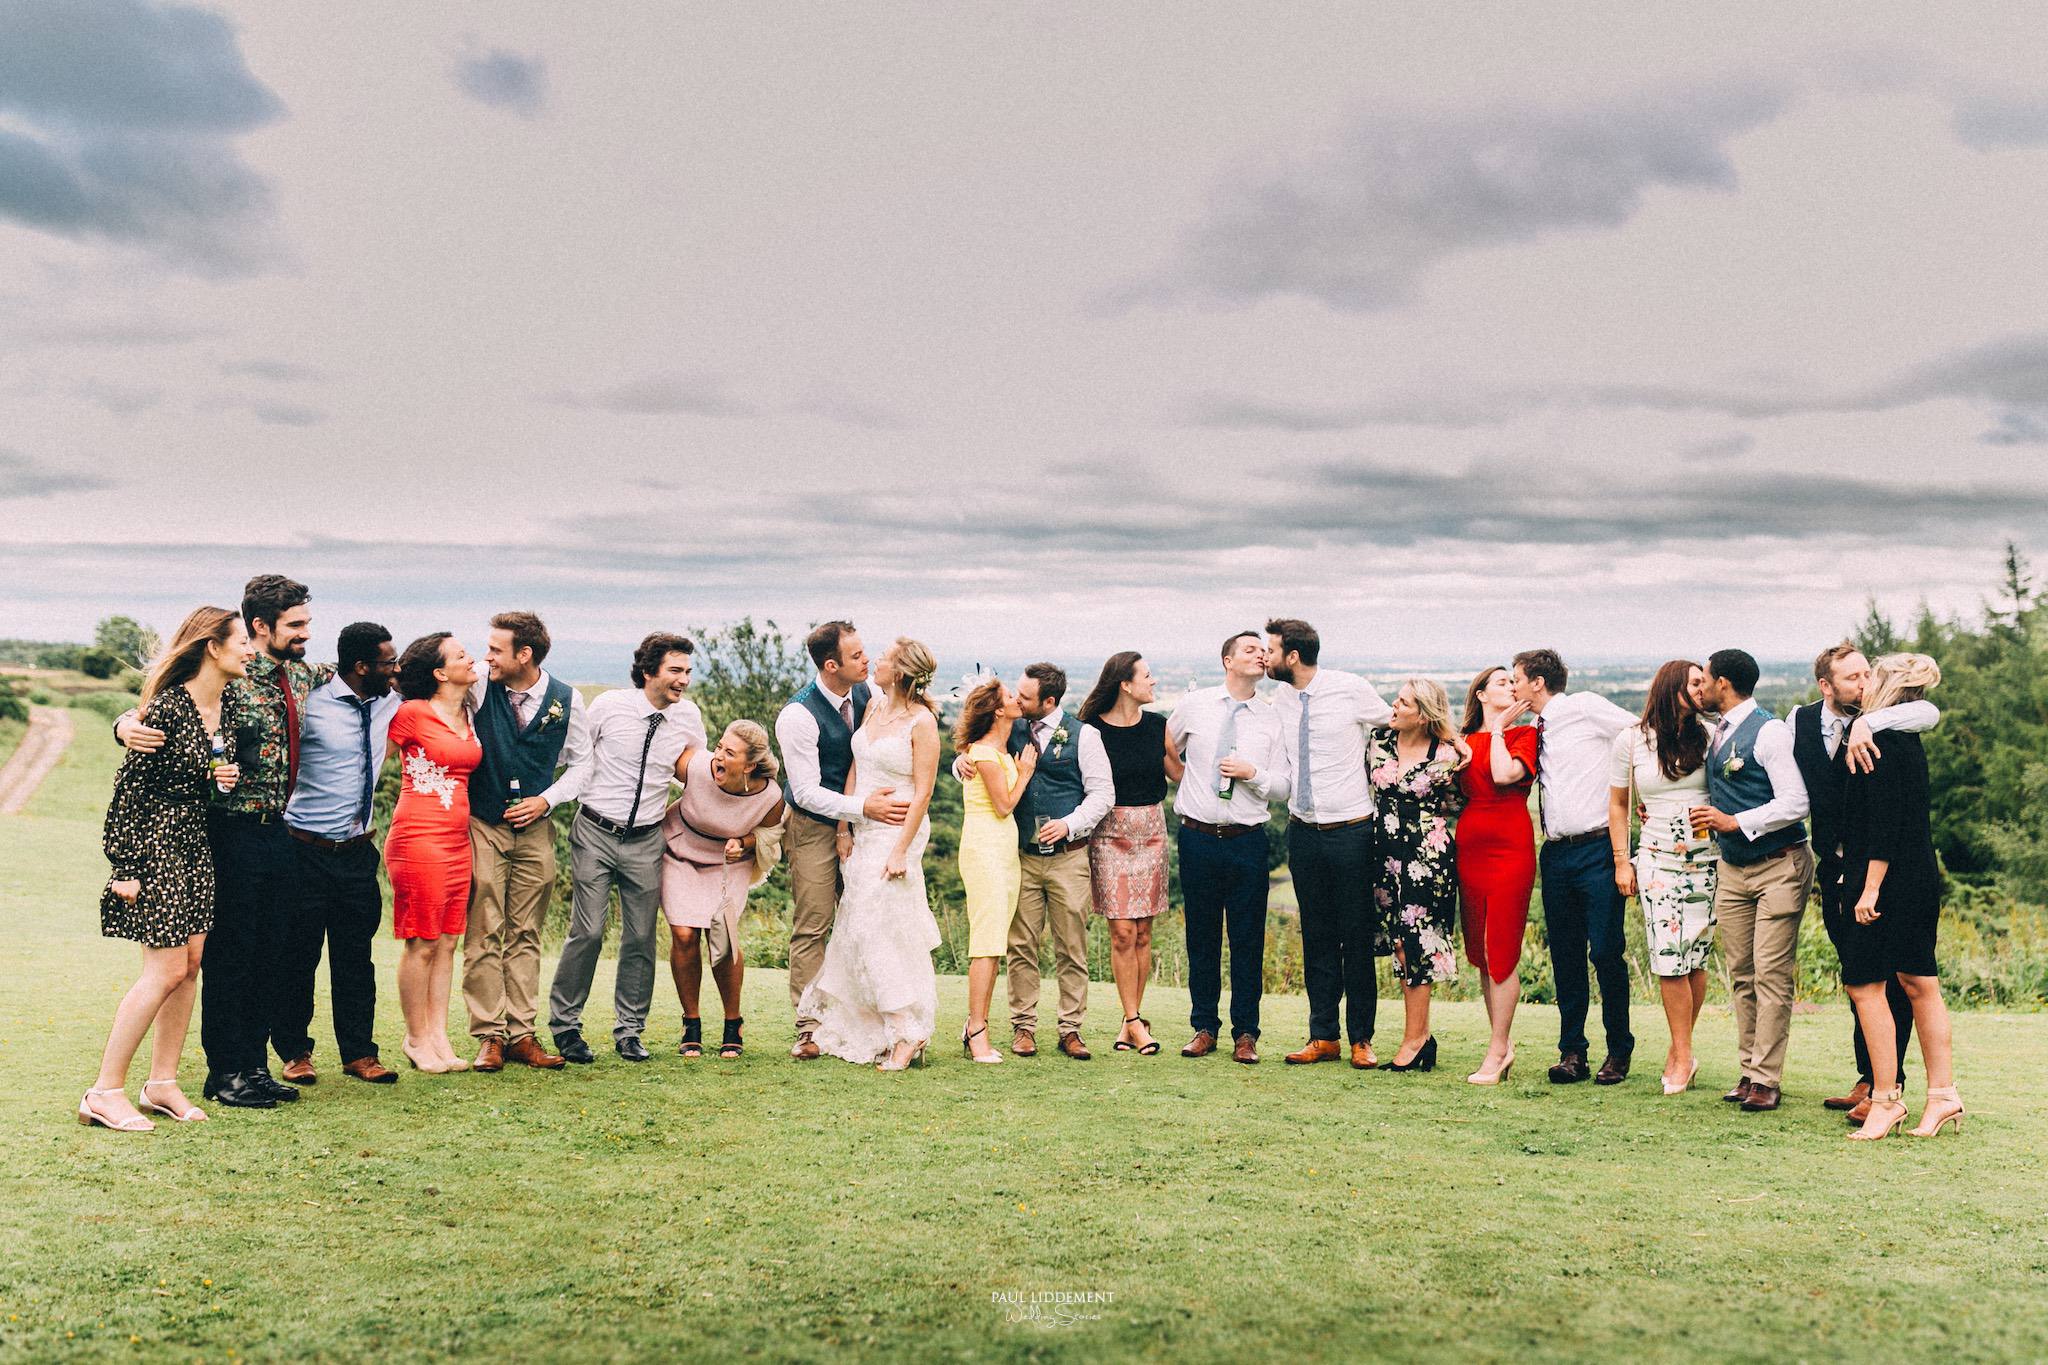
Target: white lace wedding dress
point(877, 986)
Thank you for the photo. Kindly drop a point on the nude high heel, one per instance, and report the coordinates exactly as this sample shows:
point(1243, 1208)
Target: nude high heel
point(1893, 1096)
point(1947, 1094)
point(1481, 1078)
point(1686, 1084)
point(967, 1043)
point(192, 1114)
point(91, 1119)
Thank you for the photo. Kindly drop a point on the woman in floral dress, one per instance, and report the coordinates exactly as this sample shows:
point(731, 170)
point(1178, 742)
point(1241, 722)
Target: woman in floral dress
point(427, 851)
point(1663, 759)
point(1414, 765)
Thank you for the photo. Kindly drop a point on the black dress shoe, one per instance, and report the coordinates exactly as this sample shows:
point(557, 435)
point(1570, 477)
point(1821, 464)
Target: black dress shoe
point(238, 1090)
point(1614, 1070)
point(1570, 1069)
point(569, 1043)
point(629, 1046)
point(279, 1091)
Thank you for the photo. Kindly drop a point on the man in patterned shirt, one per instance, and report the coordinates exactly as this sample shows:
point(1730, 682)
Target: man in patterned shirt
point(251, 851)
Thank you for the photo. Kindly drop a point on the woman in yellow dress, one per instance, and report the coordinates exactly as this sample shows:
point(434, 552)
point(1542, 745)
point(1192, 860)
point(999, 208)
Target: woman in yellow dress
point(989, 869)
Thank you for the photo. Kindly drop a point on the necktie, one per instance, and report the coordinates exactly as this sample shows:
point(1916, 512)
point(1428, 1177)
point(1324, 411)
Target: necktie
point(1542, 769)
point(1304, 776)
point(363, 709)
point(291, 730)
point(1720, 733)
point(640, 781)
point(1038, 735)
point(1226, 739)
point(519, 700)
point(846, 710)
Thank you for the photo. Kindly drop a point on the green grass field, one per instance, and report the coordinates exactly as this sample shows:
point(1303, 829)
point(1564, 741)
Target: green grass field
point(769, 1210)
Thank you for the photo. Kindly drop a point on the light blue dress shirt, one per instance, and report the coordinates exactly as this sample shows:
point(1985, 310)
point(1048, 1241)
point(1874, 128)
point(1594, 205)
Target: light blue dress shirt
point(341, 751)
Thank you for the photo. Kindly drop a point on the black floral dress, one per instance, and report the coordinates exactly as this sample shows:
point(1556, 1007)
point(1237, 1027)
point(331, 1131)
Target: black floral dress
point(1416, 890)
point(156, 829)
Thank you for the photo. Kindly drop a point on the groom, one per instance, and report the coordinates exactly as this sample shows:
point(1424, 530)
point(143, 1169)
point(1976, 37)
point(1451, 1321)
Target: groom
point(815, 732)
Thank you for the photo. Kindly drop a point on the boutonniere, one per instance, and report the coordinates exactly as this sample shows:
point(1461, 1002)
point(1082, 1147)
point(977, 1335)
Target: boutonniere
point(553, 714)
point(1059, 738)
point(1732, 765)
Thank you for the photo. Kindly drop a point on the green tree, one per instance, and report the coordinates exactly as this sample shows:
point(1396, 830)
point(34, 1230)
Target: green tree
point(127, 639)
point(746, 671)
point(99, 663)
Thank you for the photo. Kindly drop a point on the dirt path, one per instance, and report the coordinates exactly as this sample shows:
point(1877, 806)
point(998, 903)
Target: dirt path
point(49, 734)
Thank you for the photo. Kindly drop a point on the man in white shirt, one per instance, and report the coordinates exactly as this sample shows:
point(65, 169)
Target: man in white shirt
point(1070, 791)
point(1582, 906)
point(1230, 740)
point(815, 733)
point(1756, 809)
point(1325, 718)
point(636, 737)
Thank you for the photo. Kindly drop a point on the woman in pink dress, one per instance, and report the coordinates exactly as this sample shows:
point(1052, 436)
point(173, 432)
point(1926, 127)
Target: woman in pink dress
point(427, 850)
point(721, 839)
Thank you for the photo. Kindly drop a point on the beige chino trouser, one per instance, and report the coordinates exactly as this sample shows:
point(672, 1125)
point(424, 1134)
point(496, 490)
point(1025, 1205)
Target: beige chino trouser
point(1054, 894)
point(1758, 907)
point(512, 873)
point(814, 886)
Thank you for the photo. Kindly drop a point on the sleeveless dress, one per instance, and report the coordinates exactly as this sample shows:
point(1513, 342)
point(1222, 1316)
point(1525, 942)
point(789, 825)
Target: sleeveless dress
point(427, 850)
point(1675, 870)
point(1127, 853)
point(697, 884)
point(877, 986)
point(990, 870)
point(1496, 853)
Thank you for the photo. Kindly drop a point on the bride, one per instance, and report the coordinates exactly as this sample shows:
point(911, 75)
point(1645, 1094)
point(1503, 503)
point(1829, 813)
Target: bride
point(876, 996)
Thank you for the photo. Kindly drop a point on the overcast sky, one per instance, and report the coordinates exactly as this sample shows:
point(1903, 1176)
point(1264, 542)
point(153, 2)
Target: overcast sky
point(1026, 328)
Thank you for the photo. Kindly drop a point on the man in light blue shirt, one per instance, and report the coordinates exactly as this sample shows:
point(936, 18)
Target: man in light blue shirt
point(334, 894)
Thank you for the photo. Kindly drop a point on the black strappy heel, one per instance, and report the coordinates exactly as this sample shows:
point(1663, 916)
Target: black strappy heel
point(732, 1046)
point(693, 1037)
point(1120, 1045)
point(1150, 1049)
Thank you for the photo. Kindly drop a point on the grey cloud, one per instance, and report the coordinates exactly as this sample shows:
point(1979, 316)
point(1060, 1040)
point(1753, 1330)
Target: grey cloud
point(120, 399)
point(834, 404)
point(282, 371)
point(1359, 224)
point(2017, 429)
point(504, 80)
point(1718, 447)
point(1991, 122)
point(22, 477)
point(1230, 412)
point(703, 395)
point(288, 414)
point(126, 117)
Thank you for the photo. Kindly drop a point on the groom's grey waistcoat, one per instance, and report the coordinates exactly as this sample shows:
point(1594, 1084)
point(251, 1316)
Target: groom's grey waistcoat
point(1748, 787)
point(1056, 790)
point(835, 740)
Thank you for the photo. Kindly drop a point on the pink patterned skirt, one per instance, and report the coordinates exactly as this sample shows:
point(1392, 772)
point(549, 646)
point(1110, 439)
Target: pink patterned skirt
point(1127, 863)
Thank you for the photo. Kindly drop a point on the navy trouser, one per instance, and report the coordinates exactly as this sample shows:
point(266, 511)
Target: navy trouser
point(1223, 883)
point(243, 965)
point(1333, 882)
point(1582, 910)
point(336, 902)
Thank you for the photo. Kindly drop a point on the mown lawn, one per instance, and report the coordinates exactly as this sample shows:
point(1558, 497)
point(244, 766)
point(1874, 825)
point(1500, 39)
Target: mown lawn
point(763, 1209)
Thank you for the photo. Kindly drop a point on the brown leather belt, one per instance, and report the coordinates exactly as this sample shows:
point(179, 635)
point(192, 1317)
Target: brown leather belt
point(1068, 847)
point(1219, 831)
point(613, 827)
point(1335, 824)
point(328, 845)
point(1573, 840)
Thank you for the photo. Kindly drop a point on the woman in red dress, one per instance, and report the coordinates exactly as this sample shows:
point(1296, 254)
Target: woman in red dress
point(1496, 854)
point(427, 850)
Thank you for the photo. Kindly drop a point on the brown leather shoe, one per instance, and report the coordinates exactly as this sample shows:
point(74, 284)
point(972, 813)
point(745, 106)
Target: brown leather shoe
point(1739, 1093)
point(1859, 1094)
point(1245, 1049)
point(1570, 1069)
point(1071, 1044)
point(1613, 1070)
point(1316, 1050)
point(1201, 1045)
point(299, 1070)
point(1762, 1098)
point(490, 1056)
point(1859, 1113)
point(371, 1070)
point(805, 1050)
point(1362, 1056)
point(1024, 1043)
point(529, 1052)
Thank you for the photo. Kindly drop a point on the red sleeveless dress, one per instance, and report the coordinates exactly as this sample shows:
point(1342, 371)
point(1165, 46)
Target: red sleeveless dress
point(1496, 854)
point(427, 851)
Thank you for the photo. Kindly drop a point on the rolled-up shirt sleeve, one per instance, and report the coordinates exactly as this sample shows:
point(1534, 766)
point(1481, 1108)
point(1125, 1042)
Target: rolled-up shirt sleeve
point(796, 730)
point(1274, 780)
point(1912, 717)
point(1788, 804)
point(1098, 785)
point(578, 755)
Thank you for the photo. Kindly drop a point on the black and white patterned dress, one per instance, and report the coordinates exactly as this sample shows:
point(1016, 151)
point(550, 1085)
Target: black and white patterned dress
point(156, 830)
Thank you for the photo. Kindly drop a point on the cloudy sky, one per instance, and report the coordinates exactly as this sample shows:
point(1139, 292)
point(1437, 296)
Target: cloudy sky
point(1048, 328)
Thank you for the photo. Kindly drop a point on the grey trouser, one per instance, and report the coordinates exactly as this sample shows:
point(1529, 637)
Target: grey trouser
point(599, 861)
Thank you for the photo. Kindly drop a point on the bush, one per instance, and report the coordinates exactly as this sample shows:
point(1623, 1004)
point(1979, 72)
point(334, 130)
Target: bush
point(107, 704)
point(59, 657)
point(99, 663)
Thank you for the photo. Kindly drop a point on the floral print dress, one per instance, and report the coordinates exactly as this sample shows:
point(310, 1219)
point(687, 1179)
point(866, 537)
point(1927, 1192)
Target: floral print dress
point(1416, 891)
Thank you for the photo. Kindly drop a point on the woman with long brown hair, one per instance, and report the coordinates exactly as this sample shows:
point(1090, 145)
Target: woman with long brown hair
point(1496, 854)
point(161, 892)
point(990, 871)
point(1663, 759)
point(1127, 852)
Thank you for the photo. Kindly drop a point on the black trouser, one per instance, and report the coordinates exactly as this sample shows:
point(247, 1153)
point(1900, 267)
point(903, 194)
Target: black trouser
point(1582, 917)
point(1224, 883)
point(334, 899)
point(1836, 921)
point(245, 949)
point(1333, 881)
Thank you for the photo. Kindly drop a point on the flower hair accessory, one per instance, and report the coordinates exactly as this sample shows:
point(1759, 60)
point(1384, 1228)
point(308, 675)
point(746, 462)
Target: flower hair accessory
point(980, 677)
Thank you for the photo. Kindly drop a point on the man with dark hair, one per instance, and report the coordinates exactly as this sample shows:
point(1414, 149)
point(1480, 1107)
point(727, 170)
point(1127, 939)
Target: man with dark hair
point(1069, 793)
point(1582, 906)
point(636, 736)
point(815, 733)
point(253, 858)
point(1326, 716)
point(531, 726)
point(1827, 737)
point(336, 898)
point(1230, 739)
point(1756, 805)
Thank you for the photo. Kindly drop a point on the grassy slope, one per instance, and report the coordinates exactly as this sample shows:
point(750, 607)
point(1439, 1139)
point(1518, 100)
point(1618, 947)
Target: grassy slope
point(772, 1210)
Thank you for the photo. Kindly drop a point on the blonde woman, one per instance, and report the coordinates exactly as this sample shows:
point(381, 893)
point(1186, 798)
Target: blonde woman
point(1414, 765)
point(876, 996)
point(160, 893)
point(1890, 876)
point(991, 870)
point(719, 841)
